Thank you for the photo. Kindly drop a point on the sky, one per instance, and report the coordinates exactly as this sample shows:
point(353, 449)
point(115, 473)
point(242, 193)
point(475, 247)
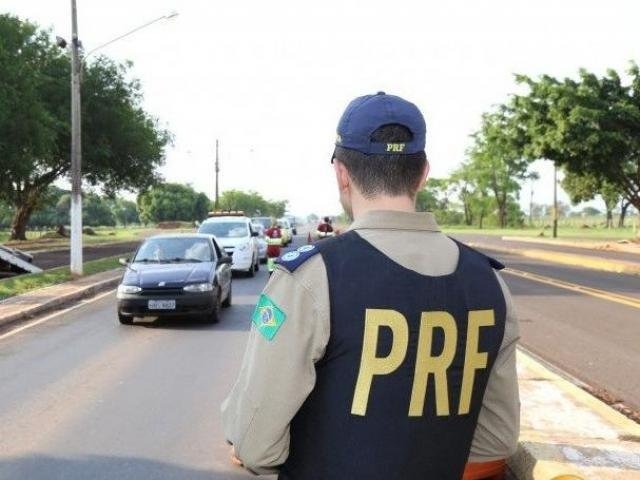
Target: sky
point(271, 79)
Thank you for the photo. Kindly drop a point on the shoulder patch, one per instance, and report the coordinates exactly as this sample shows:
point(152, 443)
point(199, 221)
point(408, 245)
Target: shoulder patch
point(268, 317)
point(293, 259)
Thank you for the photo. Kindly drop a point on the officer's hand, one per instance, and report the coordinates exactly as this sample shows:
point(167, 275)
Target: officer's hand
point(234, 459)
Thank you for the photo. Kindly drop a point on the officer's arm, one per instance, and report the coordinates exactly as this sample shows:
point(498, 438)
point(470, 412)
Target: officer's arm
point(276, 376)
point(496, 436)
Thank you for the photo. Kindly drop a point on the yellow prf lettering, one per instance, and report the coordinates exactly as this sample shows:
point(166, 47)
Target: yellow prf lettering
point(395, 147)
point(473, 360)
point(371, 365)
point(427, 364)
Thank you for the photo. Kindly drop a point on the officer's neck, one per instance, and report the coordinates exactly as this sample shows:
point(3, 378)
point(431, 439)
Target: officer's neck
point(361, 205)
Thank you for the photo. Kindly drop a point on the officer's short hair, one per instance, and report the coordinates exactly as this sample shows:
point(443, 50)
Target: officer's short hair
point(389, 174)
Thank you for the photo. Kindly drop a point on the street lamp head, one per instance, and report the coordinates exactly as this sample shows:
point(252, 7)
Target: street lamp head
point(173, 14)
point(61, 42)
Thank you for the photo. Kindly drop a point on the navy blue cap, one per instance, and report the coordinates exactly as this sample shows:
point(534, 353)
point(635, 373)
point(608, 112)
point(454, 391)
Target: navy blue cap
point(365, 115)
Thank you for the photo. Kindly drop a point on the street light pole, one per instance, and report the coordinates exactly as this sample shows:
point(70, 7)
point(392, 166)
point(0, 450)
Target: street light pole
point(76, 133)
point(76, 148)
point(555, 201)
point(217, 173)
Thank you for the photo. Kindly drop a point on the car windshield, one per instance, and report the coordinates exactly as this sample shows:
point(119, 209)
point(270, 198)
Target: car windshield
point(264, 221)
point(163, 250)
point(225, 229)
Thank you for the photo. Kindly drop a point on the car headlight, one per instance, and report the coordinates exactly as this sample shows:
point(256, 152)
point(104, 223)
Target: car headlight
point(128, 289)
point(198, 287)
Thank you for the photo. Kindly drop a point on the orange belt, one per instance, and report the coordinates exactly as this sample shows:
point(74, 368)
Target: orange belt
point(485, 471)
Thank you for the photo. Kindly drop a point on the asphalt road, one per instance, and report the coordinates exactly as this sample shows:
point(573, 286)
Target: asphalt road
point(497, 241)
point(593, 339)
point(82, 397)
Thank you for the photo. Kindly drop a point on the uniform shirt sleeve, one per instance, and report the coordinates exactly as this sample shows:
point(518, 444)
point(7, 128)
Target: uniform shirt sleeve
point(276, 377)
point(496, 435)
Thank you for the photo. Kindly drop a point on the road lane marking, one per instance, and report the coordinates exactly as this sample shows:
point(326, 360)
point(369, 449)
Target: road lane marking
point(55, 314)
point(594, 292)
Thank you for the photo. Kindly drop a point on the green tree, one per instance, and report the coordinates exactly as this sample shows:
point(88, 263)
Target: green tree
point(584, 187)
point(497, 162)
point(125, 211)
point(589, 211)
point(122, 144)
point(252, 203)
point(96, 211)
point(172, 201)
point(589, 126)
point(48, 213)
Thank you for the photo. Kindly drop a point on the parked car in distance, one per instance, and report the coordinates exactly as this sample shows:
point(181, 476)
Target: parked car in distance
point(178, 275)
point(235, 234)
point(294, 224)
point(264, 221)
point(262, 241)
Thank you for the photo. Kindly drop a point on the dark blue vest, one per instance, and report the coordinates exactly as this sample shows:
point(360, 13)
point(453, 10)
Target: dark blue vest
point(328, 441)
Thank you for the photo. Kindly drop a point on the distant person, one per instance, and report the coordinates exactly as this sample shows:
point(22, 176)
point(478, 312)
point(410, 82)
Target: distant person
point(273, 235)
point(384, 353)
point(325, 229)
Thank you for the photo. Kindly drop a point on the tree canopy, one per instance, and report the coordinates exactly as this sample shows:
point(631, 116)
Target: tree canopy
point(590, 126)
point(122, 144)
point(252, 203)
point(172, 201)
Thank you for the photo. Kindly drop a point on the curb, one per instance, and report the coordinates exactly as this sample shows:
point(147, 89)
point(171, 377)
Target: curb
point(567, 431)
point(571, 259)
point(57, 302)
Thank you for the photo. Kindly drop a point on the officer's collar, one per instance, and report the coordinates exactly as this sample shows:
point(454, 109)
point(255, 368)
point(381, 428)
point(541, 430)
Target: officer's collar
point(394, 220)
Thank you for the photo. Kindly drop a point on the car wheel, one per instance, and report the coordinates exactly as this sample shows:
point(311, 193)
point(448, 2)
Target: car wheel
point(227, 301)
point(257, 267)
point(252, 270)
point(217, 307)
point(125, 319)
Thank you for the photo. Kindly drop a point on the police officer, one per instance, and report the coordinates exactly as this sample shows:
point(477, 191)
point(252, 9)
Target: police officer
point(387, 352)
point(274, 242)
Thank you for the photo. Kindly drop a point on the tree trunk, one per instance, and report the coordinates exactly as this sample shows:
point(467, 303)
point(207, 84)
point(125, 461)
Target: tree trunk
point(609, 218)
point(468, 213)
point(502, 214)
point(624, 205)
point(20, 220)
point(481, 219)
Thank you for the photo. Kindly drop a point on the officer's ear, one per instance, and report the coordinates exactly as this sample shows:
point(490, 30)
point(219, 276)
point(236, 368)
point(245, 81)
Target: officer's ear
point(342, 176)
point(425, 175)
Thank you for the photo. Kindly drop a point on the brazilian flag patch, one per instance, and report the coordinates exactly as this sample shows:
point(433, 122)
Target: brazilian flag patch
point(268, 317)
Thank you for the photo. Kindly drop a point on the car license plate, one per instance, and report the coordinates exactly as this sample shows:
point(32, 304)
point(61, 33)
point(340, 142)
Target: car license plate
point(161, 305)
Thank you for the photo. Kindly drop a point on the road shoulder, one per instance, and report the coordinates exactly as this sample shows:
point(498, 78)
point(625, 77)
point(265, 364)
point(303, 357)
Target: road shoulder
point(566, 431)
point(21, 308)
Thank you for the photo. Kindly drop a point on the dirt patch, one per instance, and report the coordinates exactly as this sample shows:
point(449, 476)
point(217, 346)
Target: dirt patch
point(59, 258)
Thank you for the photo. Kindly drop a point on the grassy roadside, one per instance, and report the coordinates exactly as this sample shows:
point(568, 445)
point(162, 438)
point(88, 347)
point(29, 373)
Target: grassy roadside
point(33, 281)
point(103, 236)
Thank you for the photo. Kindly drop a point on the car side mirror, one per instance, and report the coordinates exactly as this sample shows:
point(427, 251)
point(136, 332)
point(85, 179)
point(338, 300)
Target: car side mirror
point(123, 261)
point(225, 261)
point(255, 234)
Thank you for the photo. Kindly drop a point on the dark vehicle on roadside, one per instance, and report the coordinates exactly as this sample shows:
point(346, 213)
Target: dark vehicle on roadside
point(178, 275)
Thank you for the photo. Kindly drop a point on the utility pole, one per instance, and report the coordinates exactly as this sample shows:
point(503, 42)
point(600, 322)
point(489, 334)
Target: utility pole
point(531, 205)
point(555, 201)
point(217, 172)
point(76, 148)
